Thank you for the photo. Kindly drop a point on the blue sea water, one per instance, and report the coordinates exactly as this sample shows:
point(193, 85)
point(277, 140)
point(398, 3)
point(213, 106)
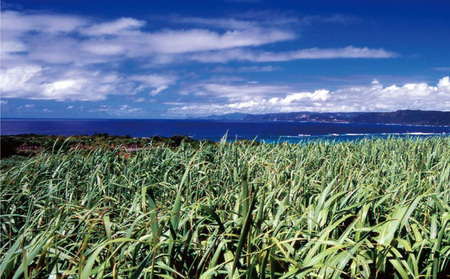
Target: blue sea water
point(215, 130)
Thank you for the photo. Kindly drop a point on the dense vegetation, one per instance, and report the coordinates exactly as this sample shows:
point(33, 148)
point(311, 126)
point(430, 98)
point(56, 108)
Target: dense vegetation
point(30, 144)
point(371, 209)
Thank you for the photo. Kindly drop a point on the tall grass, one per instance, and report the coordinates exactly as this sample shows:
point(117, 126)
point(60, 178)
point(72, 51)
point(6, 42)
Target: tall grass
point(371, 209)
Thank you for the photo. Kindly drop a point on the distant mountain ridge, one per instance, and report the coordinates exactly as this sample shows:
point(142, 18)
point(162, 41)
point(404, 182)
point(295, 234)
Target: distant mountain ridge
point(406, 117)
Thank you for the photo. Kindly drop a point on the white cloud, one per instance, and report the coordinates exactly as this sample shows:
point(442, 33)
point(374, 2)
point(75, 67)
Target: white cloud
point(48, 56)
point(224, 23)
point(369, 98)
point(60, 84)
point(235, 92)
point(347, 52)
point(63, 89)
point(154, 80)
point(138, 100)
point(116, 27)
point(243, 91)
point(172, 42)
point(263, 19)
point(64, 39)
point(25, 35)
point(31, 82)
point(26, 107)
point(60, 39)
point(128, 109)
point(444, 83)
point(184, 41)
point(102, 48)
point(158, 82)
point(333, 19)
point(248, 69)
point(12, 45)
point(242, 22)
point(41, 22)
point(442, 69)
point(17, 79)
point(156, 91)
point(312, 53)
point(117, 110)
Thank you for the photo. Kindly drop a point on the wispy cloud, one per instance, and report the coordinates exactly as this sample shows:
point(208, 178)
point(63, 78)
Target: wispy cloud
point(41, 22)
point(442, 69)
point(254, 21)
point(122, 110)
point(236, 91)
point(154, 80)
point(119, 26)
point(240, 21)
point(64, 57)
point(312, 53)
point(73, 39)
point(33, 33)
point(248, 69)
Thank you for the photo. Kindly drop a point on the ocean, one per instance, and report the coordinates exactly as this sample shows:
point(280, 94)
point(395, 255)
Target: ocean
point(273, 131)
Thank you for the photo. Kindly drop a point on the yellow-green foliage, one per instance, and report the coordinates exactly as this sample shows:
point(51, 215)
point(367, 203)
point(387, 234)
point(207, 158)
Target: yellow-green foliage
point(375, 208)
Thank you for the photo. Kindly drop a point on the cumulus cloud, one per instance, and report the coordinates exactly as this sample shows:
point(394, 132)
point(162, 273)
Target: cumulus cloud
point(37, 83)
point(374, 97)
point(30, 82)
point(17, 79)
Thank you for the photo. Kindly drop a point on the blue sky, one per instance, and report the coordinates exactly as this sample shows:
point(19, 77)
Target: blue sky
point(177, 59)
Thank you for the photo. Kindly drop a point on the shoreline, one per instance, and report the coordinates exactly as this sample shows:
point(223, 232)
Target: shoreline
point(225, 121)
point(31, 144)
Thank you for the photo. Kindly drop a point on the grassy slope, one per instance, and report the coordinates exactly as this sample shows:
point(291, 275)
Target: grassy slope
point(371, 209)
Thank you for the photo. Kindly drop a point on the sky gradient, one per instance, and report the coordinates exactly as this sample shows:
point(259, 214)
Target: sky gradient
point(177, 59)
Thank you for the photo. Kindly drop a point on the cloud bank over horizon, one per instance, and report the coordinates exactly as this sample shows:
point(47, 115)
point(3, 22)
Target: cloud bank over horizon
point(256, 99)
